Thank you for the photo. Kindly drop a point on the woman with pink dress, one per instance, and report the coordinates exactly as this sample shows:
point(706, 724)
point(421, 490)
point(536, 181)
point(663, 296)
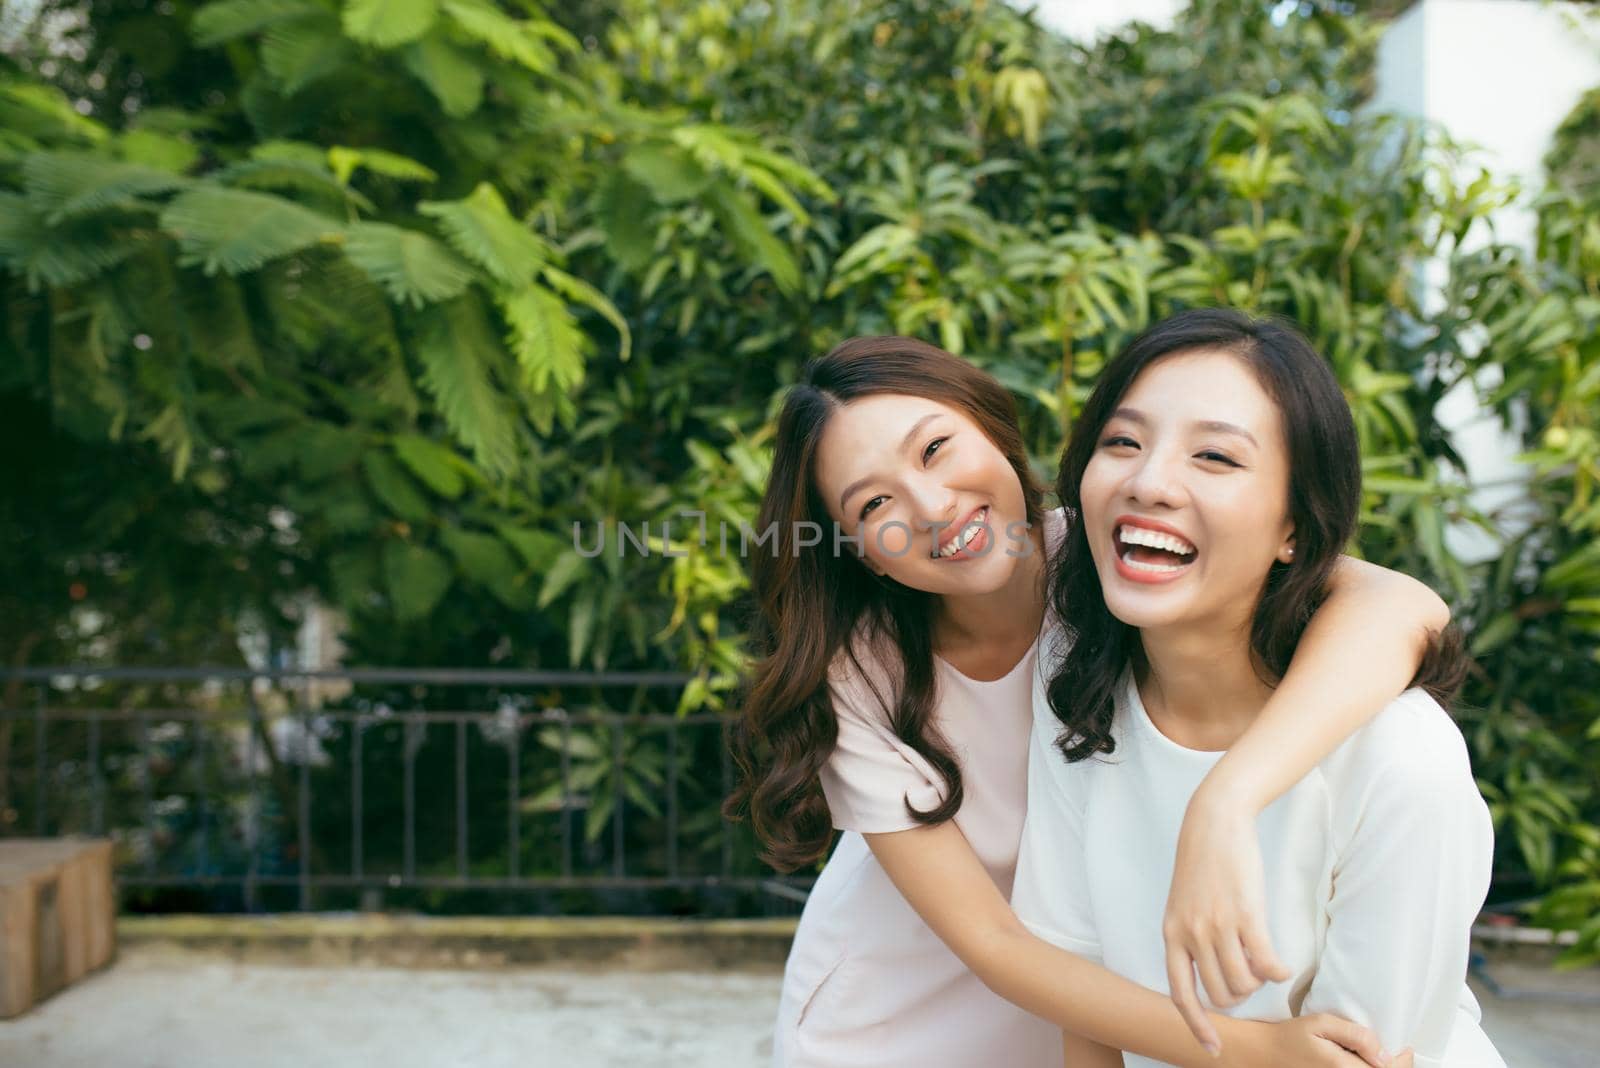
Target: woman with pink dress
point(891, 702)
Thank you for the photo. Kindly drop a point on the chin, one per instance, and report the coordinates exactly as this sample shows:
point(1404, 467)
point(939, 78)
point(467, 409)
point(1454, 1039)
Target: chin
point(1142, 608)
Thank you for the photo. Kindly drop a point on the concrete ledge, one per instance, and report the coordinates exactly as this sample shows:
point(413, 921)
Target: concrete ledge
point(387, 940)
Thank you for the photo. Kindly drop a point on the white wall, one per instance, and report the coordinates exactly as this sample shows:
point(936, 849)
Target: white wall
point(1085, 20)
point(1499, 75)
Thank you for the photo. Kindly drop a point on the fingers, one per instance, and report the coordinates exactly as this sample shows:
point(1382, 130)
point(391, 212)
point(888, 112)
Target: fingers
point(1205, 963)
point(1264, 962)
point(1403, 1059)
point(1180, 979)
point(1242, 982)
point(1361, 1041)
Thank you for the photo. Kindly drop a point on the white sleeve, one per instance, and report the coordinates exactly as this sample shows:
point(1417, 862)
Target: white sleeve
point(1051, 892)
point(1407, 885)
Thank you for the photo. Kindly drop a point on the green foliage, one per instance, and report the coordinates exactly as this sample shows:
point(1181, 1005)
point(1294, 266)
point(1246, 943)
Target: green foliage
point(437, 280)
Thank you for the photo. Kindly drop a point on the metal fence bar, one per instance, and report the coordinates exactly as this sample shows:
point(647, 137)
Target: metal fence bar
point(97, 782)
point(486, 882)
point(566, 799)
point(461, 799)
point(435, 676)
point(514, 796)
point(727, 788)
point(40, 763)
point(253, 811)
point(408, 869)
point(201, 795)
point(672, 800)
point(618, 839)
point(355, 797)
point(148, 784)
point(304, 815)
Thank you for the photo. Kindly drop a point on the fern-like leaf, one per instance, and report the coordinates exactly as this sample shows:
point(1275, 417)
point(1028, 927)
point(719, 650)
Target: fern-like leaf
point(33, 116)
point(481, 228)
point(451, 74)
point(505, 36)
point(581, 292)
point(346, 161)
point(461, 357)
point(239, 230)
point(54, 255)
point(289, 174)
point(546, 338)
point(66, 185)
point(748, 231)
point(305, 50)
point(413, 267)
point(387, 23)
point(227, 20)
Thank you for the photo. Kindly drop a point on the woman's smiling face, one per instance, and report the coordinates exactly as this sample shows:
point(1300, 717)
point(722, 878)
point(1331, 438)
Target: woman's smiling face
point(911, 474)
point(1185, 501)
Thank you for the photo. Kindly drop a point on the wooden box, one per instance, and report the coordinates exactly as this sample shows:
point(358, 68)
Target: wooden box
point(57, 916)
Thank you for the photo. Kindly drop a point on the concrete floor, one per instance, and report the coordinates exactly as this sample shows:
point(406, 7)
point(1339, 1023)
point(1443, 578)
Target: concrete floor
point(156, 1010)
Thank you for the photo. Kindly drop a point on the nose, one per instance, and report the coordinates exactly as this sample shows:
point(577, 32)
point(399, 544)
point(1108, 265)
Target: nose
point(933, 502)
point(1153, 480)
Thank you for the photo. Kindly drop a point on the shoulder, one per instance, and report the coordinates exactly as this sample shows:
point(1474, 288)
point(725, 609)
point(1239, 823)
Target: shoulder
point(863, 675)
point(1411, 752)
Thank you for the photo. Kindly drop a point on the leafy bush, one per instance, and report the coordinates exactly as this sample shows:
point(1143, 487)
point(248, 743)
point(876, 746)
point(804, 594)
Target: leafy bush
point(431, 288)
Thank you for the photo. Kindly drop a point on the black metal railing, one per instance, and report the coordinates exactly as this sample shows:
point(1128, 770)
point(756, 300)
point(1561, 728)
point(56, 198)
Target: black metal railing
point(249, 785)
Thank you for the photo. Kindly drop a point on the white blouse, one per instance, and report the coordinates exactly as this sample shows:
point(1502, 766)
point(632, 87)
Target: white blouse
point(1376, 864)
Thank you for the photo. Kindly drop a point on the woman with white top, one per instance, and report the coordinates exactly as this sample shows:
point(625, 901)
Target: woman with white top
point(1216, 477)
point(891, 701)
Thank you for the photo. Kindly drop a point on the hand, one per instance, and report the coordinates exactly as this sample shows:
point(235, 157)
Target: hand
point(1316, 1041)
point(1216, 914)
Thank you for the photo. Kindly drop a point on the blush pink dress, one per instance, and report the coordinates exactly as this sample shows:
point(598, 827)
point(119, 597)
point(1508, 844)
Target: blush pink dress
point(868, 983)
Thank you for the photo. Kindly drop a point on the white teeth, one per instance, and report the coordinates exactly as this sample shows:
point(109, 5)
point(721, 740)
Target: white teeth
point(1154, 539)
point(959, 542)
point(1158, 569)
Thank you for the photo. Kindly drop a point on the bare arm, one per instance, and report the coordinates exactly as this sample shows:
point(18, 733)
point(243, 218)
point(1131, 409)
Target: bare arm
point(1360, 650)
point(1078, 1052)
point(937, 872)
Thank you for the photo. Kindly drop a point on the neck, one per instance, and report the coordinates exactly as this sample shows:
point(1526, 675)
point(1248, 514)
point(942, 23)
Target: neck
point(1201, 685)
point(994, 619)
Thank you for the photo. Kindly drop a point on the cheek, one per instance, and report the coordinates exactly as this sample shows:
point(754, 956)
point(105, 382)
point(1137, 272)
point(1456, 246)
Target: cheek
point(1095, 488)
point(887, 542)
point(1246, 523)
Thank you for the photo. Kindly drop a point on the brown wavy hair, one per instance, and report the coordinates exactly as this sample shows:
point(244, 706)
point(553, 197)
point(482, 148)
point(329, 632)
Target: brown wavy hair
point(1324, 503)
point(814, 605)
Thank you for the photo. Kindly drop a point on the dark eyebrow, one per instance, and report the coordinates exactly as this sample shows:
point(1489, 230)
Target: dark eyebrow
point(905, 443)
point(1215, 426)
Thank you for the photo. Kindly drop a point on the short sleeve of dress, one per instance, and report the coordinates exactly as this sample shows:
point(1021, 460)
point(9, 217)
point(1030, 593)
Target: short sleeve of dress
point(1051, 892)
point(872, 774)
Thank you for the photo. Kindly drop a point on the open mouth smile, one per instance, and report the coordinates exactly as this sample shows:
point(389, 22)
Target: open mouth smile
point(1148, 551)
point(964, 543)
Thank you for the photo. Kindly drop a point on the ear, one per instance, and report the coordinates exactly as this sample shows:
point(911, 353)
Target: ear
point(1286, 550)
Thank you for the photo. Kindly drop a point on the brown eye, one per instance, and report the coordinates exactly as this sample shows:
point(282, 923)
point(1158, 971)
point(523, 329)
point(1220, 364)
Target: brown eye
point(932, 446)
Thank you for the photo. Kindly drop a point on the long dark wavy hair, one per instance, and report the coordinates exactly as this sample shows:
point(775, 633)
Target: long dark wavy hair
point(1324, 503)
point(813, 605)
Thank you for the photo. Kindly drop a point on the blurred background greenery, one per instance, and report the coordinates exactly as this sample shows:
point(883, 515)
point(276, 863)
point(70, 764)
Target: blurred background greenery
point(364, 305)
